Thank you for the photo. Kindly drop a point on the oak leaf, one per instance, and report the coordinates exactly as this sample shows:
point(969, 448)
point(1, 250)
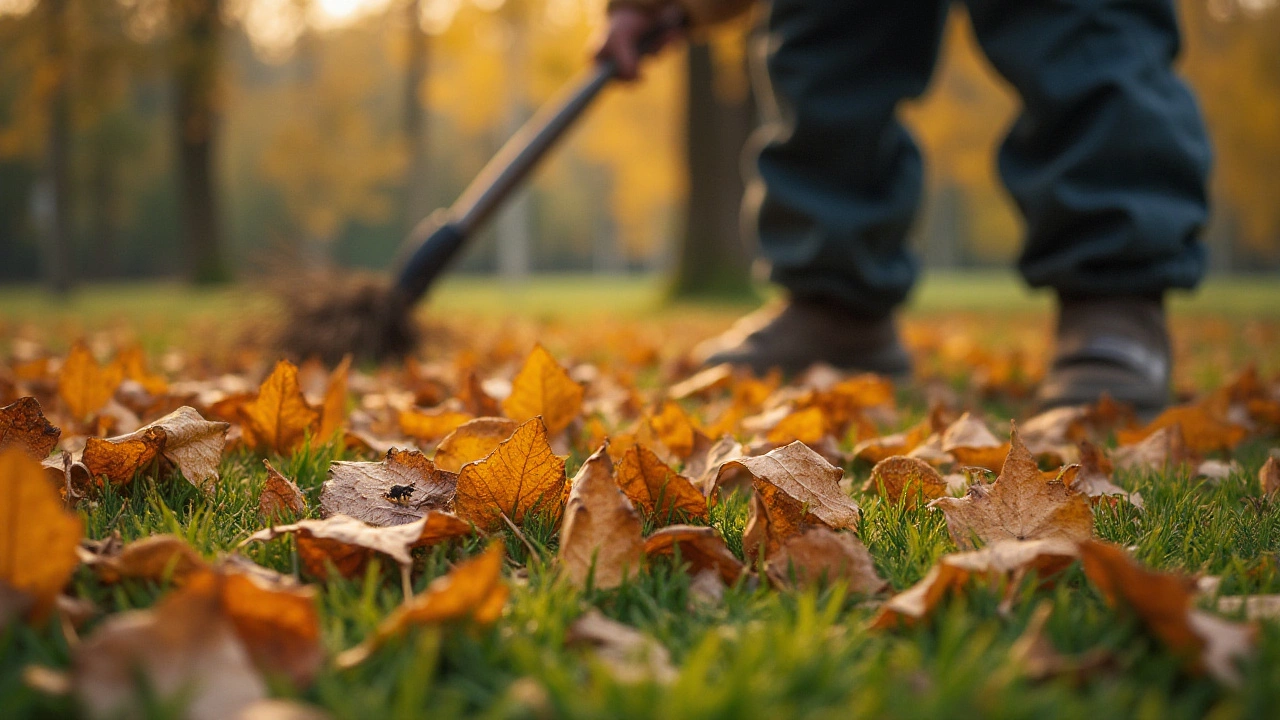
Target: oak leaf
point(279, 418)
point(1005, 561)
point(84, 385)
point(901, 477)
point(471, 441)
point(521, 476)
point(702, 547)
point(657, 489)
point(819, 554)
point(347, 544)
point(23, 425)
point(280, 497)
point(601, 537)
point(39, 540)
point(544, 388)
point(1164, 603)
point(363, 490)
point(473, 590)
point(1019, 505)
point(806, 476)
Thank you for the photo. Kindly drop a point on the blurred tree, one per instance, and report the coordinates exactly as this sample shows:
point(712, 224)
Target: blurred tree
point(58, 253)
point(197, 52)
point(416, 202)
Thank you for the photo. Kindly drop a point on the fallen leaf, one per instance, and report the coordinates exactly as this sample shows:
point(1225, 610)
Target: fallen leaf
point(23, 425)
point(903, 477)
point(806, 476)
point(1205, 427)
point(705, 382)
point(704, 467)
point(808, 426)
point(38, 544)
point(279, 418)
point(701, 547)
point(521, 476)
point(472, 441)
point(476, 401)
point(155, 558)
point(1161, 449)
point(185, 645)
point(333, 413)
point(543, 388)
point(1003, 561)
point(363, 490)
point(431, 425)
point(630, 655)
point(1019, 505)
point(657, 489)
point(347, 544)
point(473, 590)
point(84, 385)
point(1094, 477)
point(279, 625)
point(1163, 602)
point(818, 555)
point(280, 497)
point(1269, 475)
point(970, 442)
point(133, 363)
point(601, 536)
point(673, 428)
point(194, 445)
point(878, 449)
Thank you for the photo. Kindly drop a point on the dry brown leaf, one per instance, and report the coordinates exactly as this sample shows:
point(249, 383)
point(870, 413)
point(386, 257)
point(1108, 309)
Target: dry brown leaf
point(39, 541)
point(474, 589)
point(279, 625)
point(903, 477)
point(971, 442)
point(806, 476)
point(877, 449)
point(601, 536)
point(1019, 505)
point(543, 388)
point(347, 543)
point(23, 425)
point(472, 441)
point(701, 547)
point(704, 467)
point(657, 489)
point(155, 558)
point(1158, 451)
point(194, 445)
point(280, 497)
point(1164, 603)
point(1205, 427)
point(772, 517)
point(431, 425)
point(1094, 477)
point(630, 655)
point(84, 385)
point(818, 555)
point(279, 418)
point(475, 400)
point(363, 490)
point(1269, 475)
point(1002, 561)
point(521, 476)
point(185, 644)
point(808, 426)
point(333, 413)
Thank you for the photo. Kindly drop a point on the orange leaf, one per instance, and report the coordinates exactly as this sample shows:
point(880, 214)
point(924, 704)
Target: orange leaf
point(23, 425)
point(656, 488)
point(701, 547)
point(333, 414)
point(154, 558)
point(431, 425)
point(472, 441)
point(521, 476)
point(904, 477)
point(543, 388)
point(38, 544)
point(675, 430)
point(279, 418)
point(280, 497)
point(84, 385)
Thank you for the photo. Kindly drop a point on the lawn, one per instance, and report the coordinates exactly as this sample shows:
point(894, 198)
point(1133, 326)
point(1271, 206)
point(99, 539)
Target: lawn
point(757, 651)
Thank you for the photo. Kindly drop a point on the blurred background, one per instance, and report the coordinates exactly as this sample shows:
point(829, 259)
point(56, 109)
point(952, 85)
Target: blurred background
point(215, 140)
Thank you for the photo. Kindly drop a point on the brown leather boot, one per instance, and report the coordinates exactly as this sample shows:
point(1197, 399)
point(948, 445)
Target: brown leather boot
point(1116, 345)
point(807, 331)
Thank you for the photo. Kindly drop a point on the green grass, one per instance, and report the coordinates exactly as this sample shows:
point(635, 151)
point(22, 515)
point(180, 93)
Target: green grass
point(761, 653)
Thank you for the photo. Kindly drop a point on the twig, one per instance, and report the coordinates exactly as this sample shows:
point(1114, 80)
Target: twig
point(533, 553)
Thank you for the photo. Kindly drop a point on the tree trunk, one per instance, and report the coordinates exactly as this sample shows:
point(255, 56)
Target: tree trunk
point(416, 202)
point(713, 260)
point(197, 51)
point(58, 265)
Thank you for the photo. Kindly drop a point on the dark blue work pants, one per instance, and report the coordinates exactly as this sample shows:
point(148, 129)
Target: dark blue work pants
point(1108, 160)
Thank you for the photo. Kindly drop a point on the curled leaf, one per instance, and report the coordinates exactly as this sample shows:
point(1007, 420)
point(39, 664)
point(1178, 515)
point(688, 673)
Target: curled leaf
point(819, 554)
point(656, 488)
point(521, 476)
point(23, 425)
point(601, 535)
point(280, 497)
point(701, 547)
point(471, 441)
point(904, 477)
point(806, 476)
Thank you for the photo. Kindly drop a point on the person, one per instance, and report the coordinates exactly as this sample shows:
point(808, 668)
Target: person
point(1108, 162)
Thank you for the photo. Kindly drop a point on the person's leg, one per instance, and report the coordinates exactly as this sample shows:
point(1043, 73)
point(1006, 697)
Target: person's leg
point(1108, 162)
point(836, 181)
point(838, 178)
